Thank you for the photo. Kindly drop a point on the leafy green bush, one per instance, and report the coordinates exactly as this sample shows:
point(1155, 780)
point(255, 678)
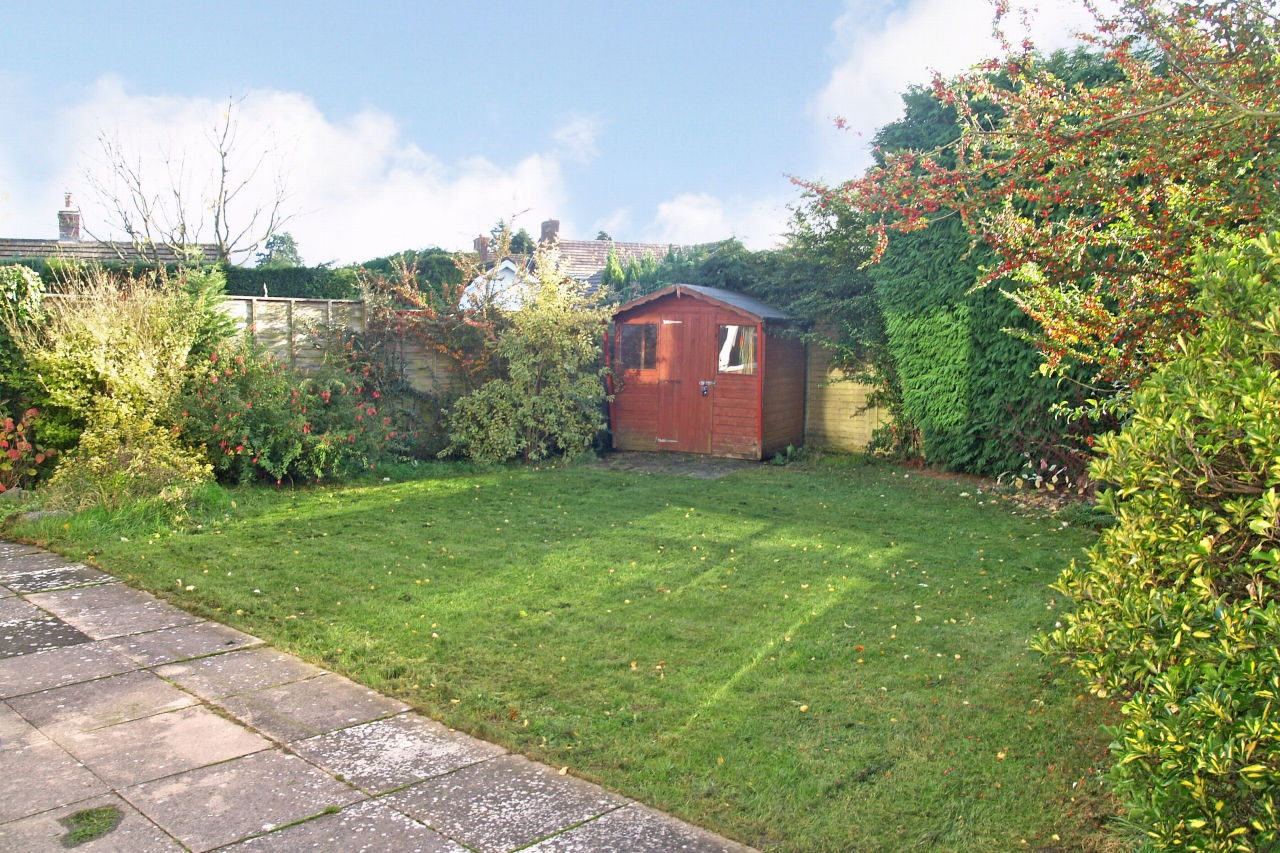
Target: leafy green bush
point(1179, 607)
point(111, 355)
point(123, 458)
point(258, 418)
point(20, 293)
point(550, 397)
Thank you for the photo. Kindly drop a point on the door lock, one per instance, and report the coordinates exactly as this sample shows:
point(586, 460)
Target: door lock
point(704, 383)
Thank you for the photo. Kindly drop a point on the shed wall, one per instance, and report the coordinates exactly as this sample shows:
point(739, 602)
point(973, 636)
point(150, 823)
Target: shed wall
point(735, 408)
point(784, 380)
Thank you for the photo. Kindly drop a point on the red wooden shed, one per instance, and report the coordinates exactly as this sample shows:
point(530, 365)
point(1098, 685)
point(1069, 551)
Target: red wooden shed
point(704, 370)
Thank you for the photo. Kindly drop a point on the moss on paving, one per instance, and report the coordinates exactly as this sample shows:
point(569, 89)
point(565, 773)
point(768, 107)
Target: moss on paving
point(90, 824)
point(802, 659)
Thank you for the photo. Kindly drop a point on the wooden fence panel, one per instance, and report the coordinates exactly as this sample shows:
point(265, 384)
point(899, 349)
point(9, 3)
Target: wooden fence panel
point(837, 415)
point(295, 329)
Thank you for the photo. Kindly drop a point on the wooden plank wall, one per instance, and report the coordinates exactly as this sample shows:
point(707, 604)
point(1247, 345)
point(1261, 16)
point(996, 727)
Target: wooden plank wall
point(836, 416)
point(784, 380)
point(294, 329)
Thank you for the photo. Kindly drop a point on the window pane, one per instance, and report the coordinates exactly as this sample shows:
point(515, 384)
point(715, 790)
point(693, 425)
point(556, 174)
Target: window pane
point(638, 346)
point(738, 350)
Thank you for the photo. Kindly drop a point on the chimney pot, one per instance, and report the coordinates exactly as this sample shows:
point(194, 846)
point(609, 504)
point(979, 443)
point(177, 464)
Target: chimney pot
point(69, 223)
point(481, 245)
point(550, 231)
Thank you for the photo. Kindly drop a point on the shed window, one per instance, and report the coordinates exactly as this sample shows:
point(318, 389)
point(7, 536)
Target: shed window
point(638, 346)
point(738, 349)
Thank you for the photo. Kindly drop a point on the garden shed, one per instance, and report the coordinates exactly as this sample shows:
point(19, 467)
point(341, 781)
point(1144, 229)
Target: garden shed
point(704, 370)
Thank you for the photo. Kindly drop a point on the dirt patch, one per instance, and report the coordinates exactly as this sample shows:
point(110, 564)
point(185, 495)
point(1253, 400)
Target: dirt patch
point(674, 464)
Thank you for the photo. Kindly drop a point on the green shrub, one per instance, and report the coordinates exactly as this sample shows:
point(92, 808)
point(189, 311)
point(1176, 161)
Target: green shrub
point(1179, 607)
point(258, 418)
point(122, 458)
point(125, 341)
point(110, 354)
point(550, 398)
point(20, 293)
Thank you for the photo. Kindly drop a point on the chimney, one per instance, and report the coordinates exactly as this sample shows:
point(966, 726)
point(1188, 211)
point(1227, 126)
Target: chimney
point(550, 231)
point(69, 223)
point(481, 245)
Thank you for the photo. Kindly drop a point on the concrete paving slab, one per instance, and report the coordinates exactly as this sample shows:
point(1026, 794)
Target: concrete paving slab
point(237, 672)
point(142, 750)
point(388, 754)
point(15, 549)
point(62, 577)
point(44, 833)
point(636, 829)
point(30, 559)
point(15, 732)
point(57, 667)
point(176, 644)
point(5, 592)
point(40, 777)
point(25, 628)
point(14, 610)
point(367, 827)
point(308, 708)
point(218, 805)
point(503, 804)
point(112, 610)
point(96, 704)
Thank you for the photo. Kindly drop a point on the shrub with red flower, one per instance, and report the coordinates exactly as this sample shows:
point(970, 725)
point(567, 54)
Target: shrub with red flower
point(260, 419)
point(20, 456)
point(1097, 198)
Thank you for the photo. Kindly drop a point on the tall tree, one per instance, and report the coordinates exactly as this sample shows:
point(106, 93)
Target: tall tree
point(228, 199)
point(280, 251)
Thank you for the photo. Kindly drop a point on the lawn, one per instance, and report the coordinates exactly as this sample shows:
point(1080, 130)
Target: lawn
point(826, 658)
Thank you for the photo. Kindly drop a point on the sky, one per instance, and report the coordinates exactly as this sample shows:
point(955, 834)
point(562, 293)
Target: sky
point(399, 125)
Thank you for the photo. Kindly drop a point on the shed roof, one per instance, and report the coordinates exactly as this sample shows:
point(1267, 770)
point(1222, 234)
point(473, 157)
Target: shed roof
point(729, 298)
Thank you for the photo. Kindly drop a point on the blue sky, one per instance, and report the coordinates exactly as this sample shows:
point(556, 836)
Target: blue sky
point(409, 124)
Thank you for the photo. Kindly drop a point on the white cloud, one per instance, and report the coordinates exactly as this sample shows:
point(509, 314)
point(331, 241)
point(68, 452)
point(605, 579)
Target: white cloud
point(360, 188)
point(576, 138)
point(703, 218)
point(615, 224)
point(880, 54)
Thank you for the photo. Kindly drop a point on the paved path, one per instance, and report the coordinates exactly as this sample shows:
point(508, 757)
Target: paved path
point(204, 739)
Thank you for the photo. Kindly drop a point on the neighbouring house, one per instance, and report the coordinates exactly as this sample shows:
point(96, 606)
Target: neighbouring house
point(70, 246)
point(583, 260)
point(704, 370)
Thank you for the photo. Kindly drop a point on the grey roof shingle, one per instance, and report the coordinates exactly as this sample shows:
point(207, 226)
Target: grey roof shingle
point(88, 250)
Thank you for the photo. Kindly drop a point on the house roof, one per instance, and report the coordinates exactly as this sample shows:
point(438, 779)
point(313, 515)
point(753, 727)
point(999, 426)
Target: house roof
point(729, 298)
point(89, 250)
point(585, 259)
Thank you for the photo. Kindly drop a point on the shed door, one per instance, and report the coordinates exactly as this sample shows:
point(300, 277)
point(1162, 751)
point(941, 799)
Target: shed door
point(670, 380)
point(686, 359)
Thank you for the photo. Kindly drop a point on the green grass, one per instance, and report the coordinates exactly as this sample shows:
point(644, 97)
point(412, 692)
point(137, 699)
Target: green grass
point(90, 824)
point(803, 658)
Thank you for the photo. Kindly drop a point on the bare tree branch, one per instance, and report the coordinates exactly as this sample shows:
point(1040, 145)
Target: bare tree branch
point(174, 220)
